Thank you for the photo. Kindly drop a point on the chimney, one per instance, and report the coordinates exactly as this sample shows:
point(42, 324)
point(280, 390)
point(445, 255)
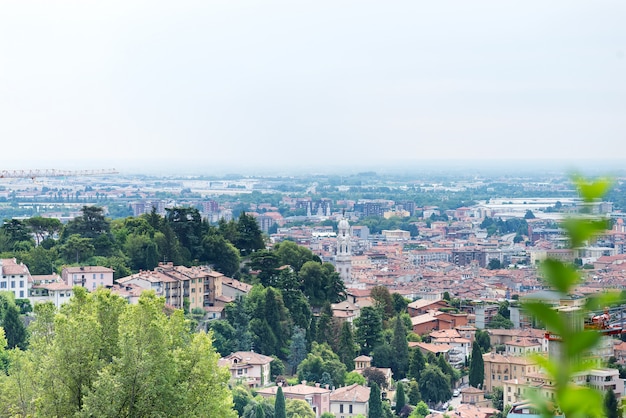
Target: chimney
point(317, 385)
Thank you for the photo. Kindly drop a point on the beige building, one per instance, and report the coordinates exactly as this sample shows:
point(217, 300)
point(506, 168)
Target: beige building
point(89, 277)
point(248, 367)
point(350, 401)
point(317, 397)
point(501, 368)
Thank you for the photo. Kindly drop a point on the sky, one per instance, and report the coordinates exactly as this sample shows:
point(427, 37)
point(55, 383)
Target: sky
point(196, 86)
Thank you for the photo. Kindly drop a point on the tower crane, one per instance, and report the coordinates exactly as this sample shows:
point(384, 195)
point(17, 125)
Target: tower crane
point(32, 174)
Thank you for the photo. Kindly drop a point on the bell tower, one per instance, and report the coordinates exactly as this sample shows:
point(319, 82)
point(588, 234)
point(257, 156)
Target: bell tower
point(343, 252)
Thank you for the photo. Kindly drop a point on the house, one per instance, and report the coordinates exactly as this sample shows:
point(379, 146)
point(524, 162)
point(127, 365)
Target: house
point(248, 367)
point(317, 397)
point(500, 369)
point(350, 401)
point(49, 287)
point(422, 306)
point(346, 311)
point(15, 278)
point(365, 362)
point(474, 396)
point(233, 288)
point(89, 277)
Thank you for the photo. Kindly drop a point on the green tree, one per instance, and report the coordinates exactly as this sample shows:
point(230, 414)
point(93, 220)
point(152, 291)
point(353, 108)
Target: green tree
point(477, 368)
point(382, 300)
point(346, 347)
point(417, 364)
point(414, 392)
point(400, 348)
point(434, 385)
point(375, 402)
point(43, 227)
point(400, 398)
point(14, 329)
point(299, 408)
point(249, 236)
point(500, 322)
point(494, 264)
point(529, 214)
point(354, 377)
point(421, 410)
point(279, 404)
point(223, 255)
point(611, 405)
point(322, 360)
point(297, 349)
point(369, 329)
point(481, 338)
point(497, 398)
point(186, 222)
point(259, 412)
point(77, 248)
point(400, 303)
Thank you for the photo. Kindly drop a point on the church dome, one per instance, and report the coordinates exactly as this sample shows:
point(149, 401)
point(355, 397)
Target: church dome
point(343, 224)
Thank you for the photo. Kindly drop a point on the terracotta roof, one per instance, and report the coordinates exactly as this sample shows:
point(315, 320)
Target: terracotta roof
point(88, 269)
point(353, 393)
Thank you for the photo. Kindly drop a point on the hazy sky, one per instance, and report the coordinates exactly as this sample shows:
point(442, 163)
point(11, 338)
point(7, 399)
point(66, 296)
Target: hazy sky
point(300, 83)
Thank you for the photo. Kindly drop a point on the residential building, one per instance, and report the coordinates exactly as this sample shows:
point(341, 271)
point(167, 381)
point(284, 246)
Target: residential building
point(317, 397)
point(15, 277)
point(89, 277)
point(350, 401)
point(248, 367)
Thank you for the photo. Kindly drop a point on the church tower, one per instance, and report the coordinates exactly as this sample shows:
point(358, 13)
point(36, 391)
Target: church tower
point(343, 255)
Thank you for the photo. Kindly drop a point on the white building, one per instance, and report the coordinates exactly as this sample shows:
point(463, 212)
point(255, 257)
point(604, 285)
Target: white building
point(15, 278)
point(350, 401)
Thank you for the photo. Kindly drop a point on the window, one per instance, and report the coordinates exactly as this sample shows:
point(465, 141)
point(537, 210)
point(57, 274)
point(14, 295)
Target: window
point(21, 283)
point(21, 293)
point(193, 290)
point(3, 285)
point(101, 276)
point(94, 276)
point(350, 409)
point(341, 408)
point(13, 284)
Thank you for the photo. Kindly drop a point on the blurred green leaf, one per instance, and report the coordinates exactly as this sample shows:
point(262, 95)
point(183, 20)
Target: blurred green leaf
point(551, 318)
point(580, 401)
point(560, 276)
point(580, 230)
point(602, 300)
point(591, 190)
point(579, 342)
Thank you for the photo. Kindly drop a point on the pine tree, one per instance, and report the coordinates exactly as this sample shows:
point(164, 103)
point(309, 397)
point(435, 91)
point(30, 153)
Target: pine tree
point(297, 350)
point(14, 328)
point(375, 402)
point(400, 349)
point(611, 406)
point(279, 404)
point(477, 368)
point(400, 399)
point(417, 364)
point(414, 393)
point(347, 348)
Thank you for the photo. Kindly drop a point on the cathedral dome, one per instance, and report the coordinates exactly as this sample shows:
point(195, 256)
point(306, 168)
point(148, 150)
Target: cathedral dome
point(343, 224)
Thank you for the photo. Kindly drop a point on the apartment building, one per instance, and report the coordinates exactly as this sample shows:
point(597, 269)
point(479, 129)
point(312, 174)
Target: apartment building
point(89, 277)
point(15, 277)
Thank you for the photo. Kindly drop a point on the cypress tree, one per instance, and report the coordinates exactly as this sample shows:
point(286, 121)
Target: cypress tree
point(400, 348)
point(477, 368)
point(279, 404)
point(14, 328)
point(611, 407)
point(347, 349)
point(400, 399)
point(259, 412)
point(417, 364)
point(375, 402)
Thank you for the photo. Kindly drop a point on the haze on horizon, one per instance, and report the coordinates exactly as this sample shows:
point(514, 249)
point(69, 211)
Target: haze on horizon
point(242, 86)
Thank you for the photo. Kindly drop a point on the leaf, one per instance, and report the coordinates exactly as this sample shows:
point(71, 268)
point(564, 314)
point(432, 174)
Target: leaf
point(579, 342)
point(560, 276)
point(591, 191)
point(580, 230)
point(554, 322)
point(579, 401)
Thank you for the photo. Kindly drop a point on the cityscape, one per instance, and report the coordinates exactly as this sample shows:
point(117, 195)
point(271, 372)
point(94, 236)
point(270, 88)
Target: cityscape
point(319, 209)
point(452, 255)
